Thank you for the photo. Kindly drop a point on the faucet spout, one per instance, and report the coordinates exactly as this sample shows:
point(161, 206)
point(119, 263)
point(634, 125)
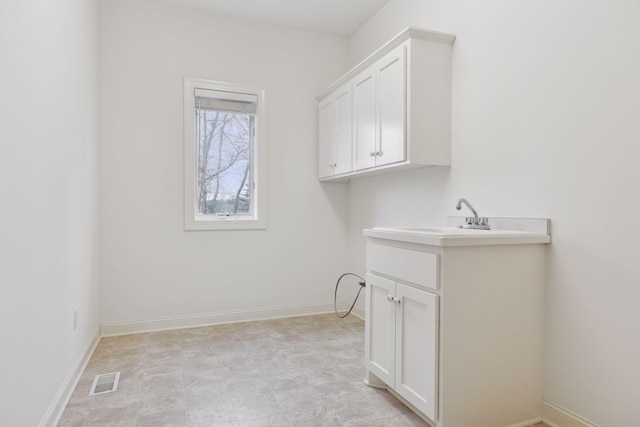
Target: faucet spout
point(475, 222)
point(475, 214)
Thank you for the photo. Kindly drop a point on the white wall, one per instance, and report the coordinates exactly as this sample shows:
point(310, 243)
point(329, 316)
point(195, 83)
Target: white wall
point(150, 267)
point(546, 100)
point(47, 198)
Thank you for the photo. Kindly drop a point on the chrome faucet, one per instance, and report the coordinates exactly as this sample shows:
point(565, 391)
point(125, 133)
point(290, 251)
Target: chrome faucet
point(475, 222)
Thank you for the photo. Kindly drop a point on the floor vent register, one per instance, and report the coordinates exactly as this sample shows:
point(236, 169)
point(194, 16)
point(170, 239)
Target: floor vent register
point(105, 383)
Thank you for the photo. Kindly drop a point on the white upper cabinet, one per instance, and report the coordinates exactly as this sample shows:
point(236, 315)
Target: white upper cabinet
point(399, 109)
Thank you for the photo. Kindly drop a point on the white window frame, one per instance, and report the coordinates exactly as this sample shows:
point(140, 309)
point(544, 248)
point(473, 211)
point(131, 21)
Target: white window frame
point(259, 176)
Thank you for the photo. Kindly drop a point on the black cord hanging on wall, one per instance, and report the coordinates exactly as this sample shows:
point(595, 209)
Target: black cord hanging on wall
point(362, 284)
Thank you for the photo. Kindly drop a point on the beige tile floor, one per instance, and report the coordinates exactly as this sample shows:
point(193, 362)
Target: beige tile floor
point(304, 371)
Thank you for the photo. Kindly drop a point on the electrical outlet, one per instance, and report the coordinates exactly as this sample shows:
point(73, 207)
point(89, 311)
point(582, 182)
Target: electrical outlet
point(75, 319)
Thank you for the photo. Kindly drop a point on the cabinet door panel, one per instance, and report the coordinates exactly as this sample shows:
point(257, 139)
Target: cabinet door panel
point(391, 71)
point(344, 131)
point(379, 328)
point(416, 348)
point(364, 116)
point(326, 125)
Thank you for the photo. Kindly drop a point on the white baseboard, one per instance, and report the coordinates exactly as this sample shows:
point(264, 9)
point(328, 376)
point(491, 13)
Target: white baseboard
point(181, 322)
point(527, 423)
point(358, 311)
point(555, 416)
point(57, 407)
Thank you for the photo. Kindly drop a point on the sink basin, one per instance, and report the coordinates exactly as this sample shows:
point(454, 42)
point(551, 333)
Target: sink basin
point(449, 231)
point(440, 231)
point(454, 236)
point(433, 230)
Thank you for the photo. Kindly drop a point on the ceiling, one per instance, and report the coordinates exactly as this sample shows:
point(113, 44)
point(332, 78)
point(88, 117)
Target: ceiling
point(338, 17)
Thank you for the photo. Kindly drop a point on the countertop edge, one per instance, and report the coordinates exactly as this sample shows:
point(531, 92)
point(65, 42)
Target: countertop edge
point(451, 241)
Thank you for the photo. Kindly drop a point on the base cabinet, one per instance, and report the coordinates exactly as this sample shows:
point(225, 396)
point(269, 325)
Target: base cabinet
point(456, 332)
point(401, 349)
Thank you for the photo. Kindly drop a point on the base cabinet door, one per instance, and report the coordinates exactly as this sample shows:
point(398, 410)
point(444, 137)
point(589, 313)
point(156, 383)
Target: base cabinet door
point(380, 328)
point(401, 340)
point(416, 348)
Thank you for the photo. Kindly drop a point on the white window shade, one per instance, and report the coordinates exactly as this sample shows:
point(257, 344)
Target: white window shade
point(226, 101)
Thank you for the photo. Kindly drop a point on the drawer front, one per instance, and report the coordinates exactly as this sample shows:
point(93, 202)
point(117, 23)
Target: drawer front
point(416, 267)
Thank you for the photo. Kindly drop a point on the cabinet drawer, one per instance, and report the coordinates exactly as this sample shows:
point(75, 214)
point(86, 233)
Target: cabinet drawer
point(420, 268)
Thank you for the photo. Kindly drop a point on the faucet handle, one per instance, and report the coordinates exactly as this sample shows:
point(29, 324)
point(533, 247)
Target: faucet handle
point(468, 220)
point(484, 221)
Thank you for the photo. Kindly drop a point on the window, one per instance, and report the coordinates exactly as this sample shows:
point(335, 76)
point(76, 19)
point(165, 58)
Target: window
point(224, 156)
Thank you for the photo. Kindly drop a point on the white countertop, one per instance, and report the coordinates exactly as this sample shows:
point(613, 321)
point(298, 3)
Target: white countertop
point(453, 236)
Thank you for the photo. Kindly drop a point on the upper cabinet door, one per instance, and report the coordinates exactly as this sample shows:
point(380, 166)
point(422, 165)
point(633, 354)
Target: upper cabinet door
point(343, 131)
point(326, 136)
point(364, 116)
point(392, 106)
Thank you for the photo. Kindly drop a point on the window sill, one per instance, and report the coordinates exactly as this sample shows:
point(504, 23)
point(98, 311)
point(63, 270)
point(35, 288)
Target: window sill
point(225, 223)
